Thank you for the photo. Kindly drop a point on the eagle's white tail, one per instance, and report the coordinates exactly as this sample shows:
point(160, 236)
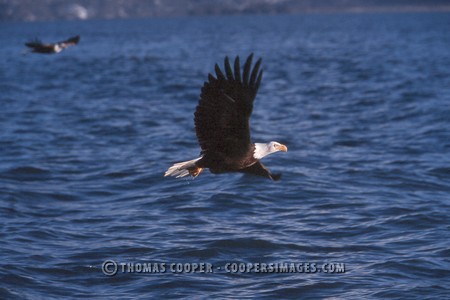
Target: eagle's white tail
point(184, 168)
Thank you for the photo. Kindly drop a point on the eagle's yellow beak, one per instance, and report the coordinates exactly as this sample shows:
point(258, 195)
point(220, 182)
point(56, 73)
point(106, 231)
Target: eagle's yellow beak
point(282, 147)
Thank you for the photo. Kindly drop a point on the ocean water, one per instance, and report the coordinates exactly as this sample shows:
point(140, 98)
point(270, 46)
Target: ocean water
point(361, 211)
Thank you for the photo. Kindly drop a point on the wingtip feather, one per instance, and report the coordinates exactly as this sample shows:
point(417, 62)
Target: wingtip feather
point(228, 70)
point(255, 72)
point(237, 69)
point(247, 67)
point(219, 73)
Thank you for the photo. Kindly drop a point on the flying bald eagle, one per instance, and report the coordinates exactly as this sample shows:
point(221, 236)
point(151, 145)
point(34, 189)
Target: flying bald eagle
point(223, 128)
point(37, 46)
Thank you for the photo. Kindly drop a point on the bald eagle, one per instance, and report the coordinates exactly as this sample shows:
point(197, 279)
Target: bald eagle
point(37, 46)
point(222, 125)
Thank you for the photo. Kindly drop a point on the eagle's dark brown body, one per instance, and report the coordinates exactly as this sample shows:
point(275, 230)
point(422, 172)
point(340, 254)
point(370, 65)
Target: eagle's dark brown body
point(220, 163)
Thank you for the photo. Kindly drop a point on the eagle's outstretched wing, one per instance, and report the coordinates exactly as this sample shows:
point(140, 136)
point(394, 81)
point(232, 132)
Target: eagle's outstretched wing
point(260, 170)
point(34, 43)
point(70, 42)
point(226, 103)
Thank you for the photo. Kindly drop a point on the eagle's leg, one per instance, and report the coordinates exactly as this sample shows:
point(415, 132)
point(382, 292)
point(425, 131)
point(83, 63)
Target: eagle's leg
point(195, 171)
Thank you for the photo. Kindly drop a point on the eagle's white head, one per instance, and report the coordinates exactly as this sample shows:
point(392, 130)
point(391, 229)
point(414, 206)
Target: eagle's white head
point(262, 149)
point(57, 48)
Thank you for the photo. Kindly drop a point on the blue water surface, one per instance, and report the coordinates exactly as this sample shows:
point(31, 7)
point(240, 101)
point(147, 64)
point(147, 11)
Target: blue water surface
point(361, 101)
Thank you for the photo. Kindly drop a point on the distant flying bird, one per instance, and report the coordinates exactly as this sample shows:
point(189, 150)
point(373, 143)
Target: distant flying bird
point(223, 128)
point(37, 46)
